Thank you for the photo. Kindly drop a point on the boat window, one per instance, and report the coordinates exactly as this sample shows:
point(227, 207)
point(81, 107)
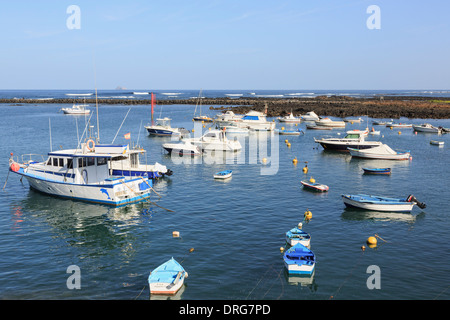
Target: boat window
point(81, 162)
point(69, 164)
point(91, 161)
point(101, 161)
point(61, 162)
point(352, 136)
point(55, 162)
point(49, 162)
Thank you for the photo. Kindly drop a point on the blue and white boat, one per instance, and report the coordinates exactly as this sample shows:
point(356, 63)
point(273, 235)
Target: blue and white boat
point(223, 174)
point(82, 174)
point(168, 278)
point(162, 127)
point(297, 235)
point(283, 131)
point(299, 260)
point(377, 170)
point(126, 162)
point(376, 203)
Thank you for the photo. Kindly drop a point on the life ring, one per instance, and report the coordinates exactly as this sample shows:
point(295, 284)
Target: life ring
point(88, 144)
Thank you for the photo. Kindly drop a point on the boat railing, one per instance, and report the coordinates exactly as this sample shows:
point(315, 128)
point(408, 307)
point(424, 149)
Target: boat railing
point(29, 158)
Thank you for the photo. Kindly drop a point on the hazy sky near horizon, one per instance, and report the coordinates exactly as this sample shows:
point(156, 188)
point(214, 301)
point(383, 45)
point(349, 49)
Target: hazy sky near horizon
point(225, 44)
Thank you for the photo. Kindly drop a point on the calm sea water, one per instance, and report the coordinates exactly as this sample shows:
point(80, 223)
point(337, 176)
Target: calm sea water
point(236, 227)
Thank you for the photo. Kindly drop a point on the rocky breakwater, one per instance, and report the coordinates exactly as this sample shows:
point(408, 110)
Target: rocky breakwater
point(337, 106)
point(342, 106)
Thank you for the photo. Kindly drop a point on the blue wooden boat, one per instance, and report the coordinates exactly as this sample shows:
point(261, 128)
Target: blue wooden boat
point(297, 235)
point(299, 260)
point(377, 170)
point(167, 278)
point(223, 174)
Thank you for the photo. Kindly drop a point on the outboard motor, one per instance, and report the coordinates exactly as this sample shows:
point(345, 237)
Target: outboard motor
point(411, 198)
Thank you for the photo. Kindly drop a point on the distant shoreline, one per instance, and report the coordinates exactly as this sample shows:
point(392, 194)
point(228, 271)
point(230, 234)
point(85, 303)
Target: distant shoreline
point(337, 106)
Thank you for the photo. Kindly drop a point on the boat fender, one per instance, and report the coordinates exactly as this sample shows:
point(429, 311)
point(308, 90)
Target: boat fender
point(90, 145)
point(14, 167)
point(312, 180)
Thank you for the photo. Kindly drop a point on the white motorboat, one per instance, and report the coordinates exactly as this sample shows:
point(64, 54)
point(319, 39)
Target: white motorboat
point(382, 151)
point(290, 119)
point(353, 139)
point(359, 120)
point(215, 140)
point(163, 128)
point(310, 116)
point(76, 109)
point(234, 129)
point(327, 122)
point(82, 174)
point(426, 127)
point(398, 125)
point(228, 117)
point(256, 120)
point(185, 147)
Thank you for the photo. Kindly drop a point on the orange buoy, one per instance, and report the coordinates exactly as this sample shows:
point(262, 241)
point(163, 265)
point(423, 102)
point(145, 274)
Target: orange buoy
point(14, 167)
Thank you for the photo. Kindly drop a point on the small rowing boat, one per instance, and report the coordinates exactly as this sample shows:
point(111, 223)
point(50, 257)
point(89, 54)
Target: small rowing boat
point(299, 260)
point(437, 143)
point(377, 203)
point(312, 185)
point(377, 170)
point(223, 174)
point(167, 278)
point(297, 235)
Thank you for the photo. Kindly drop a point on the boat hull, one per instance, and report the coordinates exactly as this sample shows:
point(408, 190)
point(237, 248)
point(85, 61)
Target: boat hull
point(383, 171)
point(315, 186)
point(343, 146)
point(118, 193)
point(301, 269)
point(399, 156)
point(389, 206)
point(161, 132)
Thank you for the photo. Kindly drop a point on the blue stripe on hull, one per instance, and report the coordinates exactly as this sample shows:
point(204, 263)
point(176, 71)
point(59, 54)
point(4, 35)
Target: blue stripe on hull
point(128, 173)
point(109, 203)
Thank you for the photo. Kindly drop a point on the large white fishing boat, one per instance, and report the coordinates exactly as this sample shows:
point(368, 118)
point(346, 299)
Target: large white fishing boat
point(82, 174)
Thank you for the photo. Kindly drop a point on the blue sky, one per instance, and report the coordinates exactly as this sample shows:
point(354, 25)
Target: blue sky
point(225, 44)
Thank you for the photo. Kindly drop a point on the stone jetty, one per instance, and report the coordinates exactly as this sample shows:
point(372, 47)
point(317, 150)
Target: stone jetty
point(337, 106)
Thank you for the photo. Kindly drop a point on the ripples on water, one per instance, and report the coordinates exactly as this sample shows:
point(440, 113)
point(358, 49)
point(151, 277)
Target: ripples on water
point(236, 227)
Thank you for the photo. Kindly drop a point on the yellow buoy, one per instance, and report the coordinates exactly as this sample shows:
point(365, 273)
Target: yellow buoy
point(294, 161)
point(286, 141)
point(175, 234)
point(204, 126)
point(305, 169)
point(288, 144)
point(264, 160)
point(209, 128)
point(312, 180)
point(282, 128)
point(281, 249)
point(399, 132)
point(363, 248)
point(308, 214)
point(372, 241)
point(193, 130)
